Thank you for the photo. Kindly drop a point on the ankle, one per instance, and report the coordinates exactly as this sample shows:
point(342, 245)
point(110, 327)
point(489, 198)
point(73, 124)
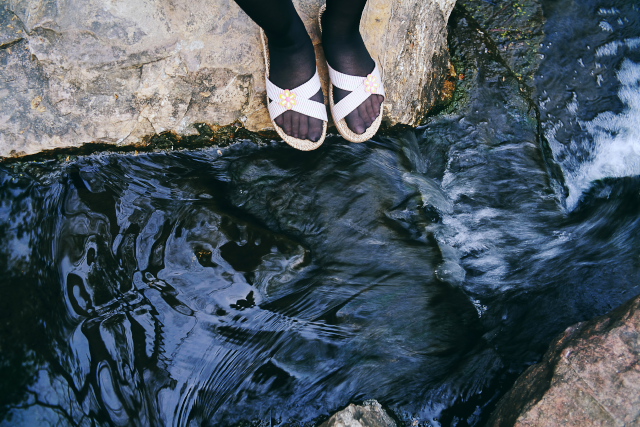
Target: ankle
point(292, 62)
point(338, 26)
point(294, 37)
point(342, 40)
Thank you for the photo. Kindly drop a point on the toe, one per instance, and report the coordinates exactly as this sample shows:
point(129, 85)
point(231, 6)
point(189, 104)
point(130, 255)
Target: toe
point(287, 122)
point(355, 122)
point(377, 102)
point(303, 128)
point(369, 112)
point(295, 125)
point(362, 113)
point(315, 129)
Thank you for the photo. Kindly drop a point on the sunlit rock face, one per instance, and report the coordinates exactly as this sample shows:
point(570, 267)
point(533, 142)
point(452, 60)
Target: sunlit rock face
point(589, 376)
point(114, 71)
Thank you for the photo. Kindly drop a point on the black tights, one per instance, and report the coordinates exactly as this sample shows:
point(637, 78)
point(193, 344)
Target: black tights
point(292, 56)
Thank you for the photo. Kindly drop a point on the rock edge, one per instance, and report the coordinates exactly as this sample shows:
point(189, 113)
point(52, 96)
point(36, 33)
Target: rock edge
point(117, 72)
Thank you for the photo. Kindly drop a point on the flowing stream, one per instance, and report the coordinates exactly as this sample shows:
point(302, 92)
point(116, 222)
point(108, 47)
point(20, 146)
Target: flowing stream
point(258, 285)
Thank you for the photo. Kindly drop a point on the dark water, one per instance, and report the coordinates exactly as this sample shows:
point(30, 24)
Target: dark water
point(261, 284)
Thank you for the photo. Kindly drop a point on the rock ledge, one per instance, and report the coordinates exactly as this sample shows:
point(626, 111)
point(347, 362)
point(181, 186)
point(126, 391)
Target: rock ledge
point(118, 71)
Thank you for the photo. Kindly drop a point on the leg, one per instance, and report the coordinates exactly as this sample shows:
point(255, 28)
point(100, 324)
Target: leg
point(293, 59)
point(345, 51)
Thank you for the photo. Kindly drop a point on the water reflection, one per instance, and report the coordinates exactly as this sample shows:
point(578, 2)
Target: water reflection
point(196, 288)
point(193, 287)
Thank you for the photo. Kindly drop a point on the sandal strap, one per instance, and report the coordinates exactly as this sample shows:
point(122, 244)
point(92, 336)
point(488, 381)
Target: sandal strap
point(356, 85)
point(303, 104)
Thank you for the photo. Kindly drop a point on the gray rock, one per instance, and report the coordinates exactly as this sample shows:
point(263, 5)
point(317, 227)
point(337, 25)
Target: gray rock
point(370, 414)
point(11, 28)
point(112, 71)
point(589, 376)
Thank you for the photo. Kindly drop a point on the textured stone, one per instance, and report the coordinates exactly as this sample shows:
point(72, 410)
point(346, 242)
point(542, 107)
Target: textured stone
point(516, 28)
point(115, 71)
point(589, 376)
point(370, 414)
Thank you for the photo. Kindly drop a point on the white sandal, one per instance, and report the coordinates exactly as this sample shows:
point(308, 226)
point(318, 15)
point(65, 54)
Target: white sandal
point(361, 88)
point(280, 100)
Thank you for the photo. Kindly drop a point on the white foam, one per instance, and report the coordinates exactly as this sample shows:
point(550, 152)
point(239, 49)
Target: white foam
point(608, 49)
point(606, 26)
point(608, 12)
point(616, 138)
point(633, 42)
point(611, 48)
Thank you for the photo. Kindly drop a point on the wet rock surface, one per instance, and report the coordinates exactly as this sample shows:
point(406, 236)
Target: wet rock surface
point(589, 376)
point(369, 414)
point(516, 29)
point(116, 72)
